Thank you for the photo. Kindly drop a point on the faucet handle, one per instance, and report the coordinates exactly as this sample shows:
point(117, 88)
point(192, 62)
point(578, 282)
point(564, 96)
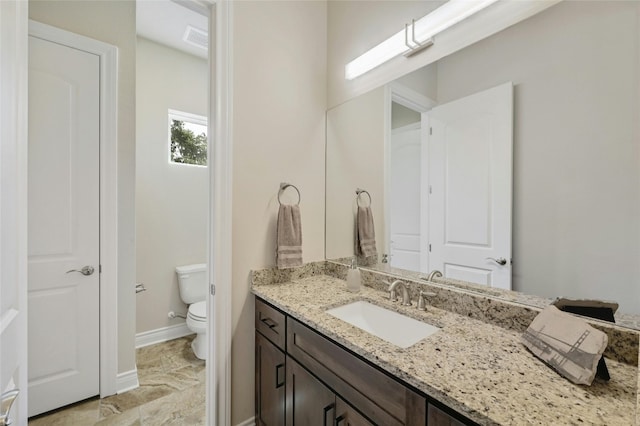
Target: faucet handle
point(5, 407)
point(421, 299)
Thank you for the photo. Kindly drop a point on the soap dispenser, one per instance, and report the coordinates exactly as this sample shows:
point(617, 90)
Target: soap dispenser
point(353, 277)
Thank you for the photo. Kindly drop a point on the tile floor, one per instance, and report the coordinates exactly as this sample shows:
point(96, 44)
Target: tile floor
point(171, 392)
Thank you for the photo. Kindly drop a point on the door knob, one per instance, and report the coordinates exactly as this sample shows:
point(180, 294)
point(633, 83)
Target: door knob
point(86, 270)
point(499, 261)
point(7, 402)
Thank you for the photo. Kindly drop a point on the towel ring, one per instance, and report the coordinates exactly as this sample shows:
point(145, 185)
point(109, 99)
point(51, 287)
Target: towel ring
point(358, 193)
point(285, 185)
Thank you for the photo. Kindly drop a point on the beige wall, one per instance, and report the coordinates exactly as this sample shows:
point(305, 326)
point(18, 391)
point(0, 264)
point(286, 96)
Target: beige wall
point(355, 150)
point(279, 97)
point(576, 210)
point(171, 199)
point(423, 80)
point(112, 22)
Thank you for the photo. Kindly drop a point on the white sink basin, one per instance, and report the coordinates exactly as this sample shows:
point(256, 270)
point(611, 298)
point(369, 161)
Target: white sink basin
point(388, 325)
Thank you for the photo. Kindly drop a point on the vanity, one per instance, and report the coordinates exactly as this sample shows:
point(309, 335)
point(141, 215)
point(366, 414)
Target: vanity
point(313, 368)
point(319, 376)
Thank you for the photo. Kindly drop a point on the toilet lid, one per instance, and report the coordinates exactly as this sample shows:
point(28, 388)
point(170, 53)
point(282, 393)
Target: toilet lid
point(198, 310)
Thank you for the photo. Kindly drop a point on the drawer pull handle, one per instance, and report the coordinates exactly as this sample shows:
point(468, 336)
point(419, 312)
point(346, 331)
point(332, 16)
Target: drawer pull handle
point(269, 322)
point(279, 383)
point(340, 419)
point(326, 410)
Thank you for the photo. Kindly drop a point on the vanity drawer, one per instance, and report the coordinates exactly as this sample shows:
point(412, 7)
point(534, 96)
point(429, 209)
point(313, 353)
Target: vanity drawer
point(271, 323)
point(378, 396)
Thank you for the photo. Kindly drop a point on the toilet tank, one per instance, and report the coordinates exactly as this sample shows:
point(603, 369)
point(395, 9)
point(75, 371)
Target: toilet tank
point(192, 282)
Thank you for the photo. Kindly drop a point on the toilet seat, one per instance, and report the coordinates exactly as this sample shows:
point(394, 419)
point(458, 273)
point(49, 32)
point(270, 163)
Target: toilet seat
point(198, 311)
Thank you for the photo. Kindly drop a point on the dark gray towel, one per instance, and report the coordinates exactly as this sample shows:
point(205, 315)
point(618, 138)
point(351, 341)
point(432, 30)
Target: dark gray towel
point(366, 233)
point(289, 237)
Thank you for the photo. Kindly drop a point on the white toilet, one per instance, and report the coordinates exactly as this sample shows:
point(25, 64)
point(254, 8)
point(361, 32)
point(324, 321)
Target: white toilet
point(192, 281)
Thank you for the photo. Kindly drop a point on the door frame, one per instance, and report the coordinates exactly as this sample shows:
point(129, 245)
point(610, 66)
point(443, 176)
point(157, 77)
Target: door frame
point(403, 95)
point(13, 204)
point(108, 268)
point(219, 324)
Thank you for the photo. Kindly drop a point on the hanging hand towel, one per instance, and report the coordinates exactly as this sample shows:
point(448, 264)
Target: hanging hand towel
point(289, 237)
point(366, 244)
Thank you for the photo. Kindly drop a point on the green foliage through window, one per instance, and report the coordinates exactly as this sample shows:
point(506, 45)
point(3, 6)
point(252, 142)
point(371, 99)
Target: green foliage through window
point(187, 147)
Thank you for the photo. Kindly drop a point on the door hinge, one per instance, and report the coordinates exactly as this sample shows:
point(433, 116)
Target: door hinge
point(99, 269)
point(429, 248)
point(430, 190)
point(431, 130)
point(212, 289)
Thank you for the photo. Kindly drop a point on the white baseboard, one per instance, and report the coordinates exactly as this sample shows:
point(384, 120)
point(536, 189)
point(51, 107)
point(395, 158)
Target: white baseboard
point(160, 335)
point(248, 422)
point(127, 381)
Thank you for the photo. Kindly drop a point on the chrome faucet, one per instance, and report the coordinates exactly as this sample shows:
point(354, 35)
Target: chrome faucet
point(434, 274)
point(406, 299)
point(7, 400)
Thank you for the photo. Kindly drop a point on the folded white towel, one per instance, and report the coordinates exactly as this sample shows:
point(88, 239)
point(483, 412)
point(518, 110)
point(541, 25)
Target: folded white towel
point(366, 233)
point(289, 237)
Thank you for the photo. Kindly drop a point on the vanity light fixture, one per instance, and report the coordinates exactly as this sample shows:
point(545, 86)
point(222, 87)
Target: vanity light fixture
point(422, 33)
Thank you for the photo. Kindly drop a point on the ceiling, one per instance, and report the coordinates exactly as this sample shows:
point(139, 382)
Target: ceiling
point(165, 22)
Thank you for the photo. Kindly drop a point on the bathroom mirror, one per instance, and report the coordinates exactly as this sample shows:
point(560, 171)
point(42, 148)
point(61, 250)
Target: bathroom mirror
point(575, 219)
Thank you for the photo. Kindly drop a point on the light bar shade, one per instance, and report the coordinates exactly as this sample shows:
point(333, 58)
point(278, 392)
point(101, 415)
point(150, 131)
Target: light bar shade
point(447, 15)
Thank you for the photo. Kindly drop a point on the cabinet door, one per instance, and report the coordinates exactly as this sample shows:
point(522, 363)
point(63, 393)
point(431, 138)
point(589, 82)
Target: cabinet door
point(270, 378)
point(309, 402)
point(346, 415)
point(381, 398)
point(437, 417)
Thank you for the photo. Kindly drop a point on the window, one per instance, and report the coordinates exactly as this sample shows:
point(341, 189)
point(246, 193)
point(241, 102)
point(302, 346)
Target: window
point(187, 138)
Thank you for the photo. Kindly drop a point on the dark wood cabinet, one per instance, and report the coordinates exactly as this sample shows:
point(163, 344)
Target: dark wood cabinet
point(270, 383)
point(305, 379)
point(346, 415)
point(271, 323)
point(437, 417)
point(380, 398)
point(309, 402)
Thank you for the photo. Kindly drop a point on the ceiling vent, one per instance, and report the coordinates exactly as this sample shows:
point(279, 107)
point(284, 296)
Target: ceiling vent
point(196, 37)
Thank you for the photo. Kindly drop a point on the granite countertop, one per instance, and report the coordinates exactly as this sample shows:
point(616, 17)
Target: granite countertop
point(478, 369)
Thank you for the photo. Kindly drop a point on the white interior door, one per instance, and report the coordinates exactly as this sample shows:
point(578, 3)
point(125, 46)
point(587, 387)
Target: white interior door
point(13, 204)
point(63, 225)
point(470, 168)
point(404, 206)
